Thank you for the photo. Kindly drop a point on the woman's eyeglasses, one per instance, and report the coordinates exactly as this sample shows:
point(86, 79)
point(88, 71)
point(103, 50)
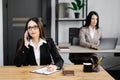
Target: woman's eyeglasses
point(32, 27)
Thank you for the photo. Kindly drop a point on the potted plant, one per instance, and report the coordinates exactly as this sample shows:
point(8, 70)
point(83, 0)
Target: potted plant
point(77, 5)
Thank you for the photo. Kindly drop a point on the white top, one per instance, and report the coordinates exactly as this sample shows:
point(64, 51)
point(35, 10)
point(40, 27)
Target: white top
point(37, 50)
point(92, 32)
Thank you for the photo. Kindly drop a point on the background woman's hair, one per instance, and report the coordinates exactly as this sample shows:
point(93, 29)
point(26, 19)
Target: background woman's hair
point(88, 19)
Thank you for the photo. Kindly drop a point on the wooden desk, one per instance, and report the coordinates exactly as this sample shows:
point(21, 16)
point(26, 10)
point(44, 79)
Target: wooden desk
point(23, 73)
point(78, 49)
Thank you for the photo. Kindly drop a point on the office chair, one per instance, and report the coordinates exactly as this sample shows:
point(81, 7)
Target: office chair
point(75, 57)
point(73, 32)
point(75, 41)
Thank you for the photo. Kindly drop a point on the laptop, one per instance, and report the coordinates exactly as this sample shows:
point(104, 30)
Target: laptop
point(107, 43)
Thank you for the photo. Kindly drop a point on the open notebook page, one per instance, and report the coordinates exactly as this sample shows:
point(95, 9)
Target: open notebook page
point(44, 71)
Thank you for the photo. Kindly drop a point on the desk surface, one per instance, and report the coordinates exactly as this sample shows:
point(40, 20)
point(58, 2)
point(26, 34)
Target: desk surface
point(78, 49)
point(23, 73)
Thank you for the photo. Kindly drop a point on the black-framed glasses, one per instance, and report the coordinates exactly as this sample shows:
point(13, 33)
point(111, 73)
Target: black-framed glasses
point(32, 27)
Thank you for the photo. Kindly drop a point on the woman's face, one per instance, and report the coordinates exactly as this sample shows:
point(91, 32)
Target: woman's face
point(33, 29)
point(93, 20)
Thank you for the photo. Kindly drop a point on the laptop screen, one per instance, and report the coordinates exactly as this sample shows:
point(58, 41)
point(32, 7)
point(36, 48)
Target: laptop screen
point(107, 43)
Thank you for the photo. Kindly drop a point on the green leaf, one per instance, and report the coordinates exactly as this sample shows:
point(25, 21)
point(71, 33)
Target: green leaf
point(78, 2)
point(81, 6)
point(77, 5)
point(74, 6)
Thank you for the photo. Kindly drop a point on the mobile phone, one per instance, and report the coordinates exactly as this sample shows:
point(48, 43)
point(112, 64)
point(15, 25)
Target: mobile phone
point(28, 37)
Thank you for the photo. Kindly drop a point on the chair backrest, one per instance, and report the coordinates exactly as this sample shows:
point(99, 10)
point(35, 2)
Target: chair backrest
point(73, 32)
point(75, 41)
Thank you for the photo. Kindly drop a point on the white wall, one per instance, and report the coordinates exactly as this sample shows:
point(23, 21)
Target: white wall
point(1, 34)
point(109, 15)
point(53, 20)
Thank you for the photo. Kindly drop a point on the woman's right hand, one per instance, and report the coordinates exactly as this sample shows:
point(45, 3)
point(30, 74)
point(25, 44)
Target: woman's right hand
point(26, 42)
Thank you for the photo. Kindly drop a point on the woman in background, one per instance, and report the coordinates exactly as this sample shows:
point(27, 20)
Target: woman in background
point(89, 35)
point(35, 49)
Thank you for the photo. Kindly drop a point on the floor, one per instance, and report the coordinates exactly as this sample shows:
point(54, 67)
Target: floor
point(115, 74)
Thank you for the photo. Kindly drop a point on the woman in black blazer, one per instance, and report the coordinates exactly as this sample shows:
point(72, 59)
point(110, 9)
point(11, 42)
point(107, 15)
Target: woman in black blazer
point(35, 49)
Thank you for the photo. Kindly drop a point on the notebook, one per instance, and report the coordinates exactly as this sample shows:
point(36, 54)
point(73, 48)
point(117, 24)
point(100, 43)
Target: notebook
point(44, 71)
point(107, 43)
point(63, 48)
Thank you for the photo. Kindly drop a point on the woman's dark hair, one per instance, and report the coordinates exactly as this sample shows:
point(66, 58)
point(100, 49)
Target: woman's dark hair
point(88, 19)
point(40, 26)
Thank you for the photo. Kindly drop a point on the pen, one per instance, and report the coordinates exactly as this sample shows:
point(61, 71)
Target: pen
point(99, 60)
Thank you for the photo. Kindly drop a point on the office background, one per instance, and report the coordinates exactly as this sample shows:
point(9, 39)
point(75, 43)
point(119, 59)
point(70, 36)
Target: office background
point(108, 11)
point(109, 21)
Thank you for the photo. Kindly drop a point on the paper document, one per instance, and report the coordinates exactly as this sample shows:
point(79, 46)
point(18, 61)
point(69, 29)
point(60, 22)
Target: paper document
point(44, 71)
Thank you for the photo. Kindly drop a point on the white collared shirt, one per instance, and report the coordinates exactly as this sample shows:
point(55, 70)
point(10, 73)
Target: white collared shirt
point(92, 32)
point(37, 50)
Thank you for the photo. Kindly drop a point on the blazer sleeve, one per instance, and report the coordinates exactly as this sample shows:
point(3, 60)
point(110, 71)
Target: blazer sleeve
point(21, 54)
point(55, 54)
point(82, 36)
point(100, 32)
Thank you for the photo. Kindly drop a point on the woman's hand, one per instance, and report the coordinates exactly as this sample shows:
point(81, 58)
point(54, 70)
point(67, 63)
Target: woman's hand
point(26, 39)
point(51, 67)
point(94, 46)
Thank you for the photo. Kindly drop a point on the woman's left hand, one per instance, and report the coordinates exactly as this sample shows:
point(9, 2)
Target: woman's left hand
point(51, 67)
